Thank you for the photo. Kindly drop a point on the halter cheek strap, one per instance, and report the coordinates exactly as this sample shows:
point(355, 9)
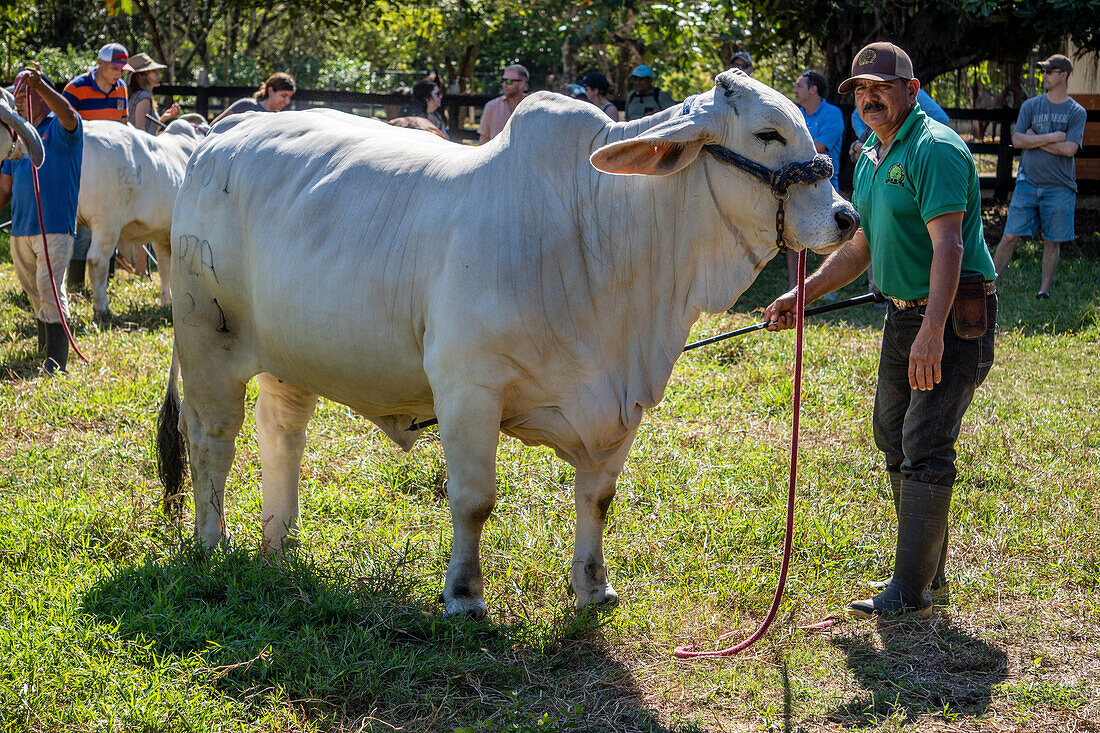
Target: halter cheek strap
point(807, 172)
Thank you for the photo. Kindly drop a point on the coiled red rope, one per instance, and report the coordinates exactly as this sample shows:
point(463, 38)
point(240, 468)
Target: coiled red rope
point(689, 652)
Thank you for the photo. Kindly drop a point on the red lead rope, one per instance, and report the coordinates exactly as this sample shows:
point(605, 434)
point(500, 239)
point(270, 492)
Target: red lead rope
point(687, 652)
point(42, 231)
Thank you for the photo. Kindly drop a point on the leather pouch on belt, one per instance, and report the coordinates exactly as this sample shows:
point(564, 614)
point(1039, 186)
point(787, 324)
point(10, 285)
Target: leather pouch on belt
point(969, 316)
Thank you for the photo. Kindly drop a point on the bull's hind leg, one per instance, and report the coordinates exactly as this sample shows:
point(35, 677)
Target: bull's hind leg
point(469, 429)
point(594, 491)
point(162, 248)
point(210, 417)
point(282, 412)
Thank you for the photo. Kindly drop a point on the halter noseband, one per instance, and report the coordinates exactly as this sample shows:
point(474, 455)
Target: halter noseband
point(807, 172)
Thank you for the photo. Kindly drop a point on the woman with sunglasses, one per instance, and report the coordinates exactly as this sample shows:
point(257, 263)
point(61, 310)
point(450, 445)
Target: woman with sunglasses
point(426, 101)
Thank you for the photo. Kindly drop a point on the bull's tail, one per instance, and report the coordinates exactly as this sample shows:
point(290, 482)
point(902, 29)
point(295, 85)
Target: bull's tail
point(171, 449)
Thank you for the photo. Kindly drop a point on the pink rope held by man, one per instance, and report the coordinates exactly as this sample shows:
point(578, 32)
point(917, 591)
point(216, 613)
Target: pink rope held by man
point(689, 652)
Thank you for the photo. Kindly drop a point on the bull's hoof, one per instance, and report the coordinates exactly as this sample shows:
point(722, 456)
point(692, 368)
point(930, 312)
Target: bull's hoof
point(102, 316)
point(604, 599)
point(466, 608)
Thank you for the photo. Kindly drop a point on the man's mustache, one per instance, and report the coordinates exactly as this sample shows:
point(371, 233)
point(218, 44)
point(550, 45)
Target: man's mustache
point(873, 106)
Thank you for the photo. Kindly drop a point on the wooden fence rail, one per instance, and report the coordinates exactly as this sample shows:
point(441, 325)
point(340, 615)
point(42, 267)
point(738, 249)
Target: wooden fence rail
point(457, 107)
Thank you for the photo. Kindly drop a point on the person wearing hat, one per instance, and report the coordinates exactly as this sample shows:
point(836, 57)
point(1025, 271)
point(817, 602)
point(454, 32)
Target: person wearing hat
point(646, 99)
point(743, 61)
point(98, 94)
point(142, 80)
point(61, 131)
point(1049, 131)
point(916, 190)
point(596, 86)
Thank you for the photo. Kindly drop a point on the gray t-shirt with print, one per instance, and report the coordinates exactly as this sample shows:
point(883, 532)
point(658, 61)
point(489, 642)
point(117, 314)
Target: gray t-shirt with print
point(1038, 167)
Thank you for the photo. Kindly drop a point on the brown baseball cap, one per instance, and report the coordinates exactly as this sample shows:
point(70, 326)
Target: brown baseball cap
point(881, 61)
point(1057, 61)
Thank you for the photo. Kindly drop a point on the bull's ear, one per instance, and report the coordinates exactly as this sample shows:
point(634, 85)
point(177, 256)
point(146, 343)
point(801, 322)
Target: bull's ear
point(669, 147)
point(645, 157)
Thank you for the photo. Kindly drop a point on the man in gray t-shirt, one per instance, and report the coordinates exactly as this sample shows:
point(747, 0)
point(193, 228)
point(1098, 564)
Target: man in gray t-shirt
point(1049, 131)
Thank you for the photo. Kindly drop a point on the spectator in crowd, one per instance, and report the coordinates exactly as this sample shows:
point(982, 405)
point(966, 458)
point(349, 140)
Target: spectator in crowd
point(826, 124)
point(917, 193)
point(143, 79)
point(646, 99)
point(513, 86)
point(272, 96)
point(60, 128)
point(425, 103)
point(742, 60)
point(99, 94)
point(1050, 131)
point(596, 87)
point(576, 91)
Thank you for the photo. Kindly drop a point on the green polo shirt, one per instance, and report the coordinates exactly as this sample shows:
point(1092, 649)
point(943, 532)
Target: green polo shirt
point(926, 173)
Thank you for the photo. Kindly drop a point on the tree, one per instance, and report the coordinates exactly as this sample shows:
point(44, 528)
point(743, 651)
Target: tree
point(939, 35)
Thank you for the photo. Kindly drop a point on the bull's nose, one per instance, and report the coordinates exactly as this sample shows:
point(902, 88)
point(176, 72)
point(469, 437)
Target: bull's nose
point(847, 220)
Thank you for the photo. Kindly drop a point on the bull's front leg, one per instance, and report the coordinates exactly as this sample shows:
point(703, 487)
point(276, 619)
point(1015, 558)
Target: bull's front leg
point(470, 430)
point(104, 239)
point(594, 491)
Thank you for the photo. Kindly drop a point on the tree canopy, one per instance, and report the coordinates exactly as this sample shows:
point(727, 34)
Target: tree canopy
point(350, 44)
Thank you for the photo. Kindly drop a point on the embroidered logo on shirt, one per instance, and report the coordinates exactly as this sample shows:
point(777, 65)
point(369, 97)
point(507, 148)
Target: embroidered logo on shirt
point(867, 57)
point(895, 174)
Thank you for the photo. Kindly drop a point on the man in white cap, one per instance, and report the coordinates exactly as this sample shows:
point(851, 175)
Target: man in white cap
point(1049, 130)
point(917, 193)
point(98, 94)
point(646, 99)
point(742, 60)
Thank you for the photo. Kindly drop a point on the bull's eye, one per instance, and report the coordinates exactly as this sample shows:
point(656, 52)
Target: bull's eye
point(770, 136)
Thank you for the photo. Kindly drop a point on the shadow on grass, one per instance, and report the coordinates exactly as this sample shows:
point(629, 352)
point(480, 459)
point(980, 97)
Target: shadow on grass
point(1073, 307)
point(920, 668)
point(358, 638)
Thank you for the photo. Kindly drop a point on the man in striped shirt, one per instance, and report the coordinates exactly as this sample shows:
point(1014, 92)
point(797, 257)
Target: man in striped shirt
point(99, 94)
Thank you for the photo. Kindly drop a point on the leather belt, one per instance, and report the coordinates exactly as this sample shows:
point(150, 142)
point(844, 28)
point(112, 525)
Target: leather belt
point(990, 289)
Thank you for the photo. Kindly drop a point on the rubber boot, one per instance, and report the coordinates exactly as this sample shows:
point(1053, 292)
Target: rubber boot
point(75, 277)
point(41, 335)
point(922, 521)
point(57, 348)
point(939, 588)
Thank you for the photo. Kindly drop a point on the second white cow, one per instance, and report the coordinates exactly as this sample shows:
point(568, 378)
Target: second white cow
point(519, 287)
point(128, 184)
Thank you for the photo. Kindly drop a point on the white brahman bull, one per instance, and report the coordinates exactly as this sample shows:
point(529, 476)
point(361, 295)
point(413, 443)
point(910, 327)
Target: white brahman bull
point(516, 288)
point(128, 184)
point(17, 136)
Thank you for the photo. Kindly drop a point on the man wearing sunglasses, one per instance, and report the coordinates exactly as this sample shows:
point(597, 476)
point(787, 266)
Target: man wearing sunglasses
point(1049, 130)
point(513, 86)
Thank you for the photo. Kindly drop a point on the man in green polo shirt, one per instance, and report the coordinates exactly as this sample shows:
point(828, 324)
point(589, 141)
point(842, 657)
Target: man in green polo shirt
point(916, 191)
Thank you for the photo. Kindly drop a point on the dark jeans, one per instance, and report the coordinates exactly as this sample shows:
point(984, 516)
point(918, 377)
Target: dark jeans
point(916, 430)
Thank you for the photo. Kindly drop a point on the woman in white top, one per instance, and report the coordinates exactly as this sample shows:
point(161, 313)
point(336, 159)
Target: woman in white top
point(145, 76)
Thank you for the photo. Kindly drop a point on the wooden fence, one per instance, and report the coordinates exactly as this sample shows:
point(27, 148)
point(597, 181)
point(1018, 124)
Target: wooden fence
point(211, 100)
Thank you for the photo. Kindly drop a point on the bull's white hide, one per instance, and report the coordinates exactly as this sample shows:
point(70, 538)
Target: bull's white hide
point(128, 184)
point(509, 288)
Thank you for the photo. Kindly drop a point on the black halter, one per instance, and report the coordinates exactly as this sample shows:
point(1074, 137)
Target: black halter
point(808, 172)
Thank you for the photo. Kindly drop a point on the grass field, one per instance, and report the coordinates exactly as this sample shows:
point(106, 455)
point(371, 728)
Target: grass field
point(111, 621)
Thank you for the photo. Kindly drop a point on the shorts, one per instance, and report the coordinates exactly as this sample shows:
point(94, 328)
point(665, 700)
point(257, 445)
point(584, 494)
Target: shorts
point(1049, 206)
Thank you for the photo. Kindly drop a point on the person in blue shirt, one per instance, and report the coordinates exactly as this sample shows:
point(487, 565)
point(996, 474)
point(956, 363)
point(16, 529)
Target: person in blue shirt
point(62, 135)
point(826, 124)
